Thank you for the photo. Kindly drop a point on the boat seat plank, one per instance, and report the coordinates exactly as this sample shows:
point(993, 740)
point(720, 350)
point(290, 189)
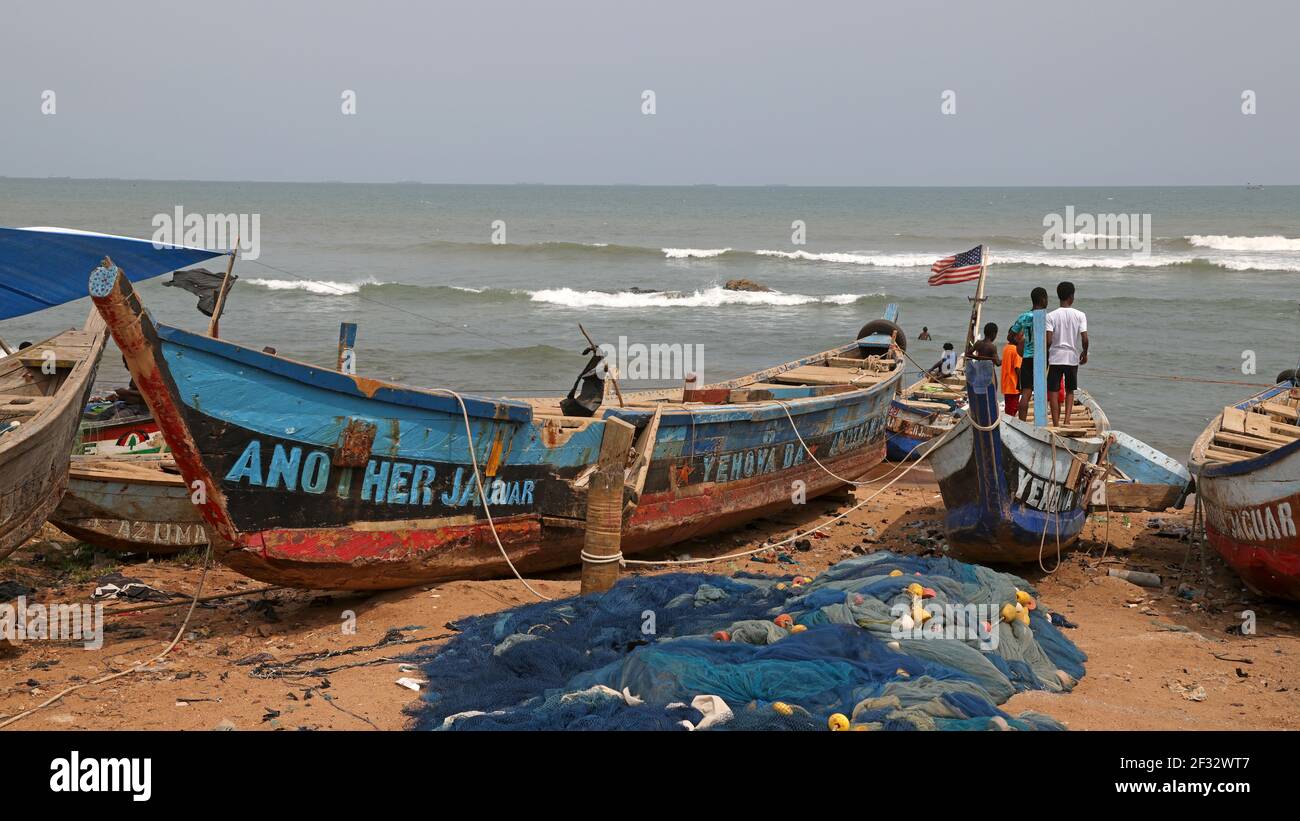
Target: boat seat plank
point(1280, 409)
point(814, 375)
point(1245, 442)
point(1221, 455)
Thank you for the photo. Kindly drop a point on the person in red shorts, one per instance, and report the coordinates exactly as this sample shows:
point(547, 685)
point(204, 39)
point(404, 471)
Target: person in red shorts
point(1011, 357)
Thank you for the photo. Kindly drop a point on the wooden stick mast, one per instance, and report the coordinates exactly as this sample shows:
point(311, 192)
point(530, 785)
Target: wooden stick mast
point(221, 296)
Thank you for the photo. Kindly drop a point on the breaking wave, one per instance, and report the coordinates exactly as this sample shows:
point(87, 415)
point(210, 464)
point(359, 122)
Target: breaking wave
point(712, 297)
point(1220, 242)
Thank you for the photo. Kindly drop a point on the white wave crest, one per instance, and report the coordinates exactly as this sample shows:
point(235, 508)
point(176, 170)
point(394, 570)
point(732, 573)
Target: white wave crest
point(878, 260)
point(694, 253)
point(1221, 242)
point(713, 297)
point(314, 286)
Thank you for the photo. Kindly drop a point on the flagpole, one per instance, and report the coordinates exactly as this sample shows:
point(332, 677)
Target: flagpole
point(221, 295)
point(978, 307)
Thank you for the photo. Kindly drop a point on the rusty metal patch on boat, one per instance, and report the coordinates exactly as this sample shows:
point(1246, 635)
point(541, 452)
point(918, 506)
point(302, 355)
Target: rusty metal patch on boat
point(354, 445)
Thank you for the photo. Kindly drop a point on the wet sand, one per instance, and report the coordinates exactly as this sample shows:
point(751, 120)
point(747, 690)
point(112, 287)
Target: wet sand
point(284, 660)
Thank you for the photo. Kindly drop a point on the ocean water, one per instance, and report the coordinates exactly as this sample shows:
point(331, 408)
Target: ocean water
point(438, 303)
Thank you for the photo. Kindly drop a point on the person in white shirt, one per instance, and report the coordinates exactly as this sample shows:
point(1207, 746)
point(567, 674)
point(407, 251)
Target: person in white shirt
point(1067, 347)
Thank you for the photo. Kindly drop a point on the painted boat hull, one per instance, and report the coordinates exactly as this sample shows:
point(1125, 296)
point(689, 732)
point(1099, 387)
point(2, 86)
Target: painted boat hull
point(1250, 509)
point(321, 479)
point(1008, 490)
point(146, 510)
point(138, 434)
point(34, 457)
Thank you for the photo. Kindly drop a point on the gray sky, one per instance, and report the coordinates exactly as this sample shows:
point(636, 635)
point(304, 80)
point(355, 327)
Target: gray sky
point(814, 93)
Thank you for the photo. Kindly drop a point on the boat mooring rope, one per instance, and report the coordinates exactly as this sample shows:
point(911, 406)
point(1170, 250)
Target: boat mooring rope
point(478, 481)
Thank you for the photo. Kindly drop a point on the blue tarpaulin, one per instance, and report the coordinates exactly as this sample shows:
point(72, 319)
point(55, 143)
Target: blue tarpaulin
point(44, 267)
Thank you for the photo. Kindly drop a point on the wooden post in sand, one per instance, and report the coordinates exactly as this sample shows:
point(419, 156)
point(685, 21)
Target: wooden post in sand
point(347, 361)
point(603, 546)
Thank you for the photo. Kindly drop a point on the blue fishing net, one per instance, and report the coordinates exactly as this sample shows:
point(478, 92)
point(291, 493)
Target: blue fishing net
point(688, 651)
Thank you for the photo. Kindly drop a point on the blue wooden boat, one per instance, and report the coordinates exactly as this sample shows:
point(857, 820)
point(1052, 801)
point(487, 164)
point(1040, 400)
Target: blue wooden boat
point(313, 477)
point(1138, 476)
point(923, 412)
point(1010, 486)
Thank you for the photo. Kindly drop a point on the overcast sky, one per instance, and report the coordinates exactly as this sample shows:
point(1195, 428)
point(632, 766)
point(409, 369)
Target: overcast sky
point(813, 93)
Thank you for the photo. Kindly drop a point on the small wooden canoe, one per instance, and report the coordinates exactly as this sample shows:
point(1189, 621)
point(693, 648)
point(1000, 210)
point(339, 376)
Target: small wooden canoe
point(1141, 477)
point(134, 504)
point(1247, 468)
point(42, 391)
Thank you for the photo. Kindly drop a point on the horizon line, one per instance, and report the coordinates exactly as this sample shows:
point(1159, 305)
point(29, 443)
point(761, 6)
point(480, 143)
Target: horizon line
point(531, 184)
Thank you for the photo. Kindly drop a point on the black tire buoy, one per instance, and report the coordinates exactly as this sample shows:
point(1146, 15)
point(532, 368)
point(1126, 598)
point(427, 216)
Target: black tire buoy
point(884, 326)
point(1287, 375)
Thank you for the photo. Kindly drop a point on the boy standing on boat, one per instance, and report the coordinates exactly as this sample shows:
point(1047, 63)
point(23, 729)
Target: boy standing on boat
point(1067, 346)
point(1011, 373)
point(986, 348)
point(1024, 328)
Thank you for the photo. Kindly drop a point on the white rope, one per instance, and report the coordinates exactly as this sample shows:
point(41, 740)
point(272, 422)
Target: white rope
point(478, 481)
point(812, 455)
point(591, 558)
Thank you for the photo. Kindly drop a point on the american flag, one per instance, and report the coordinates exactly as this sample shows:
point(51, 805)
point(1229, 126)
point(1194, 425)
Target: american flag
point(960, 268)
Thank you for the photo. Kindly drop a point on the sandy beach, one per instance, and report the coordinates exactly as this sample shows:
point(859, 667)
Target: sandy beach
point(1157, 659)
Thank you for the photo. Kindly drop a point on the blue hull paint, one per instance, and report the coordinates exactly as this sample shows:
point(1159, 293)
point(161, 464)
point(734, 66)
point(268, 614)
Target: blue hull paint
point(900, 447)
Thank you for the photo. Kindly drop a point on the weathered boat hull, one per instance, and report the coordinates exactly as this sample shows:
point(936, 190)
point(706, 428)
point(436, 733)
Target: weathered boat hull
point(1250, 509)
point(47, 407)
point(316, 478)
point(1011, 489)
point(129, 504)
point(1140, 477)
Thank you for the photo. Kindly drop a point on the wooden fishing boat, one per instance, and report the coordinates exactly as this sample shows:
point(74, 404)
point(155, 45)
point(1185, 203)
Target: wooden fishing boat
point(1139, 477)
point(44, 387)
point(137, 433)
point(319, 478)
point(42, 390)
point(129, 503)
point(1013, 490)
point(924, 411)
point(1247, 468)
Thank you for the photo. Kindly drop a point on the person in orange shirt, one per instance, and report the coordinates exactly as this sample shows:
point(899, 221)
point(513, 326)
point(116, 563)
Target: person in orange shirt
point(1011, 360)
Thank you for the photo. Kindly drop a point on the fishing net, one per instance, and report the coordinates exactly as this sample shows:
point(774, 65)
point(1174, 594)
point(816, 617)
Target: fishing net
point(878, 642)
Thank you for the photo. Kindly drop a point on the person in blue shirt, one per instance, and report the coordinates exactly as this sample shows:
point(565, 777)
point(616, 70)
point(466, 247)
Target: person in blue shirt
point(1024, 327)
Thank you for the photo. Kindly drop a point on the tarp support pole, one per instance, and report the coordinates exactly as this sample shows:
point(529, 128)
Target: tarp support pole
point(347, 361)
point(1040, 366)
